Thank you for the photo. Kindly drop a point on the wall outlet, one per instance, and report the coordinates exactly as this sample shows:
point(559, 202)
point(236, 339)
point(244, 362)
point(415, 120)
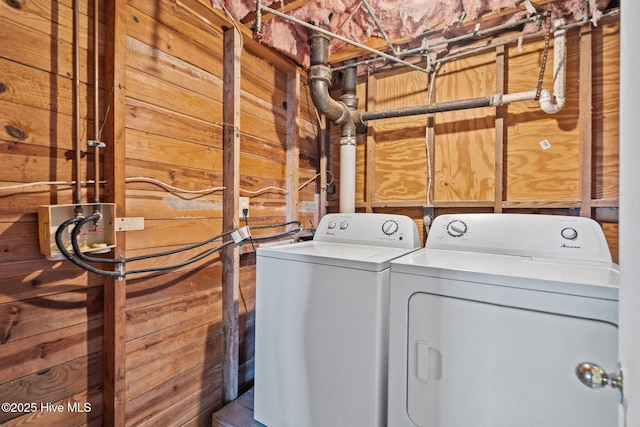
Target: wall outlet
point(243, 203)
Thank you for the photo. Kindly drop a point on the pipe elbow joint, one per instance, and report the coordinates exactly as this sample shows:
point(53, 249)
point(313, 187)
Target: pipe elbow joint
point(548, 105)
point(360, 125)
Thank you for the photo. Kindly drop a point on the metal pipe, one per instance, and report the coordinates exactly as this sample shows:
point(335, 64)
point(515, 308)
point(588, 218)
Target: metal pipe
point(464, 104)
point(76, 92)
point(338, 37)
point(377, 22)
point(339, 112)
point(320, 80)
point(349, 83)
point(96, 102)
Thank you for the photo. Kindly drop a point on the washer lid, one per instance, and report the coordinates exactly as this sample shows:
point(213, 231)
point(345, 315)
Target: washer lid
point(592, 279)
point(370, 258)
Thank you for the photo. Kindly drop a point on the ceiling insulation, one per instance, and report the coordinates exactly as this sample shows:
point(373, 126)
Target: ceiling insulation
point(407, 22)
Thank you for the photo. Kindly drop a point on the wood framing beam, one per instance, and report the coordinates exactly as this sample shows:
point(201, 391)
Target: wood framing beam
point(283, 6)
point(230, 256)
point(467, 25)
point(431, 142)
point(293, 144)
point(370, 157)
point(204, 11)
point(501, 67)
point(323, 162)
point(115, 174)
point(585, 119)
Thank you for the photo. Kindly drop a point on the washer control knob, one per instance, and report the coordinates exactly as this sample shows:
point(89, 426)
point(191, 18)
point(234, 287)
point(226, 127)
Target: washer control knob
point(344, 225)
point(569, 233)
point(331, 225)
point(389, 227)
point(456, 228)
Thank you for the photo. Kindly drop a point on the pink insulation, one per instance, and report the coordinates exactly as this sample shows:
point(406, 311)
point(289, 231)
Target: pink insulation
point(404, 20)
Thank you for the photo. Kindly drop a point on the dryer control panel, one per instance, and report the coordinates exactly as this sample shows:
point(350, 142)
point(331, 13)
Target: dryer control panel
point(398, 231)
point(545, 236)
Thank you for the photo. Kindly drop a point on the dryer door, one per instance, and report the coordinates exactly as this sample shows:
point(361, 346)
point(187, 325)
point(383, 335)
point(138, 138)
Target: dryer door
point(478, 364)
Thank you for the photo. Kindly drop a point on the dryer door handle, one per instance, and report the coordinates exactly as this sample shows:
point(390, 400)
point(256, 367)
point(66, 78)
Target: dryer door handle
point(428, 362)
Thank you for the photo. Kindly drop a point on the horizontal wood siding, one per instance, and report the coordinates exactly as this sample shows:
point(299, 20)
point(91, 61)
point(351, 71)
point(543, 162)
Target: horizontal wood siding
point(51, 312)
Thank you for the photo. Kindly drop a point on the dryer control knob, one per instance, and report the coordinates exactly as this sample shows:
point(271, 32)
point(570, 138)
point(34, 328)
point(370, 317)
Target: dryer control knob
point(331, 225)
point(569, 233)
point(389, 227)
point(344, 225)
point(456, 228)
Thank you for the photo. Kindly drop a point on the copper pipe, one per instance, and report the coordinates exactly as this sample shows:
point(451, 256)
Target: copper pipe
point(76, 90)
point(96, 101)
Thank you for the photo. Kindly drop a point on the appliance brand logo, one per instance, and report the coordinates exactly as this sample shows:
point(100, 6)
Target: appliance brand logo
point(570, 247)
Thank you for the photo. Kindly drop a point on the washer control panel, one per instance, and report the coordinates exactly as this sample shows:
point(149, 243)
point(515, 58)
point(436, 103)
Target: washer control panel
point(369, 229)
point(532, 235)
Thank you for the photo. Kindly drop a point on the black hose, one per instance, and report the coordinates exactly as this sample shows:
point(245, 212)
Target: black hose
point(182, 264)
point(79, 222)
point(73, 259)
point(95, 217)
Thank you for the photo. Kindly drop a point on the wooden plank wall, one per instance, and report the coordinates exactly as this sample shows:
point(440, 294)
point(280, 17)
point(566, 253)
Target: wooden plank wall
point(392, 172)
point(51, 317)
point(51, 313)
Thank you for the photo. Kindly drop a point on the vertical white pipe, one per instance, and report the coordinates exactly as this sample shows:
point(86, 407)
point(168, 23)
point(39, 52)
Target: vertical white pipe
point(547, 103)
point(348, 174)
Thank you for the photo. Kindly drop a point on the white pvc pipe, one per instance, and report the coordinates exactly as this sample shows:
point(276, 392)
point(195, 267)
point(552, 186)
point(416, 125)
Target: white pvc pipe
point(348, 174)
point(547, 103)
point(508, 98)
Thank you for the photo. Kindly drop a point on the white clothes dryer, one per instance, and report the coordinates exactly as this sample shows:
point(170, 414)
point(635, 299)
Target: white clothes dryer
point(322, 322)
point(489, 321)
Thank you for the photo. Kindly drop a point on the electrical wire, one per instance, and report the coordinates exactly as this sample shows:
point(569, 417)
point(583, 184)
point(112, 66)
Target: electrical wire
point(35, 184)
point(310, 180)
point(277, 235)
point(265, 189)
point(171, 187)
point(246, 222)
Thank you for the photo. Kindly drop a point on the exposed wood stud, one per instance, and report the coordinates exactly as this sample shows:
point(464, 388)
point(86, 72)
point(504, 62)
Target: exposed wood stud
point(323, 161)
point(115, 174)
point(431, 141)
point(230, 256)
point(501, 67)
point(217, 17)
point(370, 167)
point(293, 145)
point(585, 120)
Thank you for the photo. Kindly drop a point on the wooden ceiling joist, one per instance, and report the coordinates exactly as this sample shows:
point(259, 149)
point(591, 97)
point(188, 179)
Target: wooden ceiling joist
point(285, 7)
point(467, 25)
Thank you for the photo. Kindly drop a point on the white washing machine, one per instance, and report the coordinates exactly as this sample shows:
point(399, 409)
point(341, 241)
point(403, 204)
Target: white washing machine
point(322, 322)
point(489, 321)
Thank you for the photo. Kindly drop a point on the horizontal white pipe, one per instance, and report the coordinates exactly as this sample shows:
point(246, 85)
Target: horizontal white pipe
point(508, 98)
